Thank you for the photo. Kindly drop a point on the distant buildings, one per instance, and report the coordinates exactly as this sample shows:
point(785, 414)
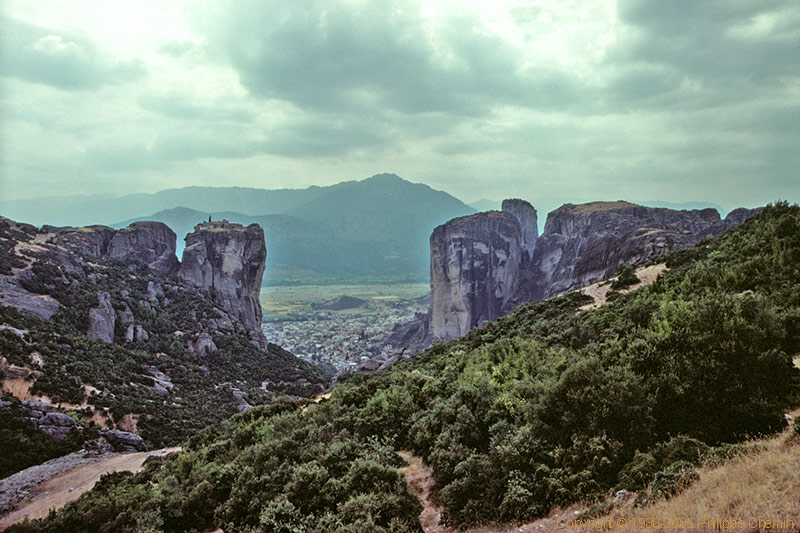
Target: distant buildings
point(343, 340)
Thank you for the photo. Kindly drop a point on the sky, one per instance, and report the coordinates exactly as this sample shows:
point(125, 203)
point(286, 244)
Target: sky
point(675, 100)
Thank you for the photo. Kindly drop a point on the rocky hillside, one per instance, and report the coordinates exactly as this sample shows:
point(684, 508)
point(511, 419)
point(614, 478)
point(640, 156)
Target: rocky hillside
point(547, 407)
point(473, 280)
point(104, 328)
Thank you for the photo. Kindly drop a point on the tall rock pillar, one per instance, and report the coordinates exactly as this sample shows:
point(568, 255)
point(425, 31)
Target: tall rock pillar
point(227, 260)
point(475, 263)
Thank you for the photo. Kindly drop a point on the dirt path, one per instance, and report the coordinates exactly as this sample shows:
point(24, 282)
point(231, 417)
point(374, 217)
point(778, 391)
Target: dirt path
point(599, 291)
point(420, 481)
point(63, 488)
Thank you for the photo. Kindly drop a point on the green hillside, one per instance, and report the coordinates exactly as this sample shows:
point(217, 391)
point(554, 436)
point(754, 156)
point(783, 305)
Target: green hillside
point(545, 407)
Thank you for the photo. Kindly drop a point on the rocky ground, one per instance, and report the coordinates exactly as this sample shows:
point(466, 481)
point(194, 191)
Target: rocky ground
point(34, 491)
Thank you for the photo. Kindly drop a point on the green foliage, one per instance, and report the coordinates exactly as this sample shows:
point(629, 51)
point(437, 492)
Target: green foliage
point(547, 406)
point(626, 276)
point(669, 482)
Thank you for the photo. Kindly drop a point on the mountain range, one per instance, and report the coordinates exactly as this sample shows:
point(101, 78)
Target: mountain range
point(375, 228)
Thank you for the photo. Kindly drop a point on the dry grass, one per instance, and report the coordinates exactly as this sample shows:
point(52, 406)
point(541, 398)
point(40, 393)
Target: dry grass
point(763, 486)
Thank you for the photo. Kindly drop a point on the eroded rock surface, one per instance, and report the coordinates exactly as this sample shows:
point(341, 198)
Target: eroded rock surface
point(485, 264)
point(583, 244)
point(227, 260)
point(150, 242)
point(475, 263)
point(102, 319)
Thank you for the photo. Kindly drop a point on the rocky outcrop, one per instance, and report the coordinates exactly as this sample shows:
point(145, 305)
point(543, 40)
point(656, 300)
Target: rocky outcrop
point(123, 441)
point(528, 225)
point(43, 417)
point(14, 295)
point(102, 319)
point(584, 244)
point(150, 242)
point(203, 344)
point(738, 216)
point(228, 261)
point(90, 241)
point(485, 264)
point(475, 263)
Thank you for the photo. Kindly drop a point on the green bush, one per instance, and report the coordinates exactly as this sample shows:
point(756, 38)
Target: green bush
point(626, 276)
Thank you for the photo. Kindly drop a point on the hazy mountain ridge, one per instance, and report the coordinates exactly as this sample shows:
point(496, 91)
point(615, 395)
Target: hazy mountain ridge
point(378, 226)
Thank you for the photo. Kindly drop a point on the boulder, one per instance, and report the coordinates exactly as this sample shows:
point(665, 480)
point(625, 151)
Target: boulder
point(57, 425)
point(102, 319)
point(125, 316)
point(141, 334)
point(202, 345)
point(123, 441)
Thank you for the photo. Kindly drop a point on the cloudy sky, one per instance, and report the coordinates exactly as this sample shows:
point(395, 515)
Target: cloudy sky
point(640, 99)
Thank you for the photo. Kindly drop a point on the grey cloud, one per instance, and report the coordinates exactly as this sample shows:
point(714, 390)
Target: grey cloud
point(332, 57)
point(185, 107)
point(59, 59)
point(320, 137)
point(707, 48)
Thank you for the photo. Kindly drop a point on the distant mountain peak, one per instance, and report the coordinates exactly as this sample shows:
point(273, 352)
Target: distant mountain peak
point(386, 178)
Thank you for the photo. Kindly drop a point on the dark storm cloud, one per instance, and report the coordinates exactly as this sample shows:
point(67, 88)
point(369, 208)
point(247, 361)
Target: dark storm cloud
point(332, 57)
point(58, 59)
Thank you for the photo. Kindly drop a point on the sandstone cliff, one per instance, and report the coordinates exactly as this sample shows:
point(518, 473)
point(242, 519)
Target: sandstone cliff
point(150, 242)
point(227, 260)
point(485, 264)
point(475, 263)
point(583, 244)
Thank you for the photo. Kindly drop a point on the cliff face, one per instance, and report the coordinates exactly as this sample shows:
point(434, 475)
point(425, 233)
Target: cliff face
point(150, 242)
point(583, 244)
point(485, 264)
point(475, 263)
point(229, 259)
point(528, 225)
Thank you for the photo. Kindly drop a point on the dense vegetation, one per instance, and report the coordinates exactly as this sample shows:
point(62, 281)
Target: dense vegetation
point(121, 374)
point(547, 406)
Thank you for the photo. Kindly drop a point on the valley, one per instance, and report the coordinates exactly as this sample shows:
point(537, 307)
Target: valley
point(340, 340)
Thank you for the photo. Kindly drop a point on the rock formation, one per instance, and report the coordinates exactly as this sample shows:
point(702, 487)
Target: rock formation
point(102, 319)
point(150, 242)
point(475, 263)
point(528, 224)
point(583, 244)
point(123, 441)
point(91, 241)
point(485, 264)
point(228, 261)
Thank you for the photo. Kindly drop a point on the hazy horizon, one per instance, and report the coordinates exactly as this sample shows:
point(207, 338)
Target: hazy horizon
point(639, 100)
